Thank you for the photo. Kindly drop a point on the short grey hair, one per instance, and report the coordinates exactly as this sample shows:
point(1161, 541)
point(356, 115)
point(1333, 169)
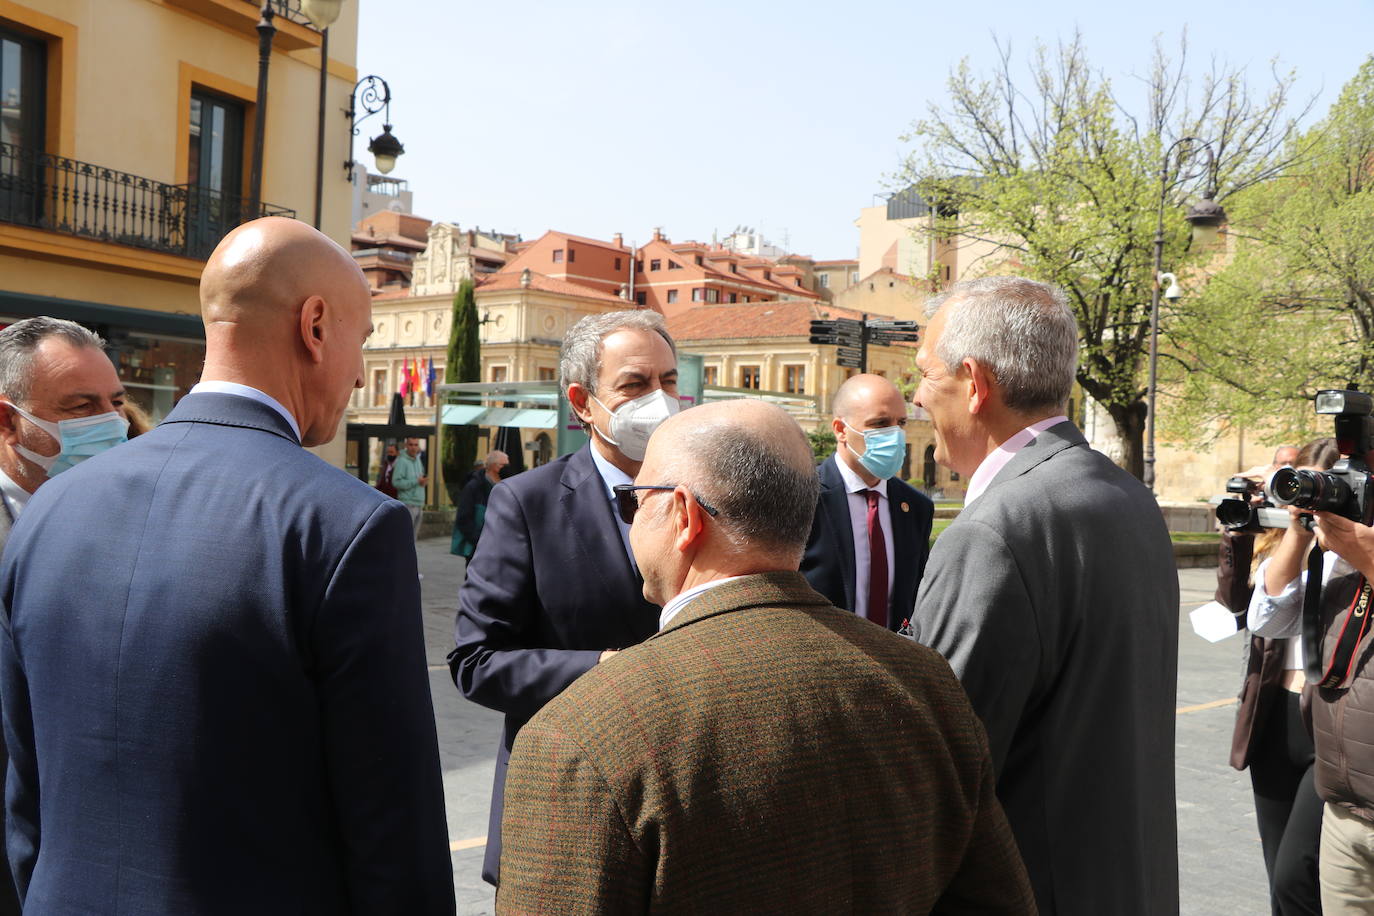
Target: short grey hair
point(764, 487)
point(1023, 331)
point(21, 340)
point(580, 359)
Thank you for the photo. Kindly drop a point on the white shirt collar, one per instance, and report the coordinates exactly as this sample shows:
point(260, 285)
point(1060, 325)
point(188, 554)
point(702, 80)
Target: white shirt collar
point(672, 607)
point(610, 474)
point(15, 496)
point(853, 483)
point(1002, 455)
point(253, 394)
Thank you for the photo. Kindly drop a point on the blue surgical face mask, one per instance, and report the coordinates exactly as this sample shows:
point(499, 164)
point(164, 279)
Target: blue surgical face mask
point(80, 438)
point(884, 450)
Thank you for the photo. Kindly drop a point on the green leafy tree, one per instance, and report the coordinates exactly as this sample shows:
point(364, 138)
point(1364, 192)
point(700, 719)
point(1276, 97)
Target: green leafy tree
point(1293, 311)
point(822, 444)
point(1060, 180)
point(464, 364)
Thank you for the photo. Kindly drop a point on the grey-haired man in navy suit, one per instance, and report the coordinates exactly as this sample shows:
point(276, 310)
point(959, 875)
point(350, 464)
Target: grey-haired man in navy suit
point(553, 588)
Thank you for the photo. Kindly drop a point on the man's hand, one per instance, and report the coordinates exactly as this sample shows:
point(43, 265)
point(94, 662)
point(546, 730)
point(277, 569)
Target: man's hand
point(424, 479)
point(1352, 541)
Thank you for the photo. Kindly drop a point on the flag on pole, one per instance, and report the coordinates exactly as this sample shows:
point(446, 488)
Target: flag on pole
point(405, 378)
point(415, 376)
point(429, 379)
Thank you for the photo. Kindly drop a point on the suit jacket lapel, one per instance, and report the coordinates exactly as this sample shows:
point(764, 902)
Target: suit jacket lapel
point(834, 500)
point(904, 550)
point(589, 518)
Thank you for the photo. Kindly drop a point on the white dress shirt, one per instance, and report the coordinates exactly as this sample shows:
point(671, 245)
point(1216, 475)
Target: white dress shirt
point(252, 394)
point(672, 607)
point(15, 496)
point(858, 520)
point(613, 476)
point(1001, 456)
point(1280, 616)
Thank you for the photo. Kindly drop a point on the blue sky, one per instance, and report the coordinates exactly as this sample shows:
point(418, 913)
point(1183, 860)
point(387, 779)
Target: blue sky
point(605, 117)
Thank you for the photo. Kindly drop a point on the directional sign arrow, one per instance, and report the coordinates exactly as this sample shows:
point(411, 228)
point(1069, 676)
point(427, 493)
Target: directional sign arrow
point(824, 339)
point(849, 363)
point(848, 353)
point(882, 337)
point(894, 325)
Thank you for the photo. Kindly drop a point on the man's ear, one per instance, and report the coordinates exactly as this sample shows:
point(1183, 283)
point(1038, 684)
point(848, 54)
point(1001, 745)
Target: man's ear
point(980, 385)
point(9, 432)
point(838, 428)
point(312, 327)
point(579, 399)
point(688, 524)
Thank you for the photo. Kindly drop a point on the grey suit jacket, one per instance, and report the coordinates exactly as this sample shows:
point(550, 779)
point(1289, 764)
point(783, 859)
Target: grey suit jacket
point(1054, 596)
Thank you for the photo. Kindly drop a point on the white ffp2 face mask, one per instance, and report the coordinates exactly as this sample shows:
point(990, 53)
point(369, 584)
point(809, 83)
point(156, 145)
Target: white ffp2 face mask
point(633, 422)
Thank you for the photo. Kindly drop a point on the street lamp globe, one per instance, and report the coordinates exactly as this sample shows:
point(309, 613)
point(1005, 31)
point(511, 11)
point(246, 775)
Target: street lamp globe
point(1206, 217)
point(385, 147)
point(321, 13)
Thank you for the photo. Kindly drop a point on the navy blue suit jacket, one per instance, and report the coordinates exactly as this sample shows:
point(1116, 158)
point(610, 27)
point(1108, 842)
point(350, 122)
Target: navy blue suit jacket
point(828, 563)
point(214, 683)
point(549, 588)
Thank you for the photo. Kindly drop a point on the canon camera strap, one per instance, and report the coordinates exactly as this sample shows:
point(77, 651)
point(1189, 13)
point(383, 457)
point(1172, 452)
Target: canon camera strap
point(1354, 625)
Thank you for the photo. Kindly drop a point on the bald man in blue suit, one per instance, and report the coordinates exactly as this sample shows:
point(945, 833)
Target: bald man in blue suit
point(212, 661)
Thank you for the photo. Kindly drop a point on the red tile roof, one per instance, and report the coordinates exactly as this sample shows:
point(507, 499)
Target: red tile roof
point(786, 318)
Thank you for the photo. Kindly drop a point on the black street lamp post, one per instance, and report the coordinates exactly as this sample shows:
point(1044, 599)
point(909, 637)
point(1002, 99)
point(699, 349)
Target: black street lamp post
point(266, 32)
point(375, 97)
point(1206, 218)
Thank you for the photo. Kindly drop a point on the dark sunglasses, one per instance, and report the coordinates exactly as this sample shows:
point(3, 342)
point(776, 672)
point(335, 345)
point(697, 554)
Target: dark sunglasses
point(627, 503)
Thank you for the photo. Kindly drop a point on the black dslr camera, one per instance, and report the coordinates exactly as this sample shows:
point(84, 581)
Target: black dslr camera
point(1347, 489)
point(1246, 510)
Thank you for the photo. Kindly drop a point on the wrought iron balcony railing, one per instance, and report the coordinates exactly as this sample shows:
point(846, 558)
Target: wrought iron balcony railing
point(50, 192)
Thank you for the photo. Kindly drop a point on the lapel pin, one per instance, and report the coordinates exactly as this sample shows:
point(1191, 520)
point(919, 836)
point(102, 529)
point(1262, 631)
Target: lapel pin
point(906, 507)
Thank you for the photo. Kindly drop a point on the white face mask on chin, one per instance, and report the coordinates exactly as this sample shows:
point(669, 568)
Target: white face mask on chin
point(633, 422)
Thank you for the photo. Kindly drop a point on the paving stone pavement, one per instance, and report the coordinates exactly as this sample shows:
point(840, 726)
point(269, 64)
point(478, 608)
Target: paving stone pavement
point(1220, 864)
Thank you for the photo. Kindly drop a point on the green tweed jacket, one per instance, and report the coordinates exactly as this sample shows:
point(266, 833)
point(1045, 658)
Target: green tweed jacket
point(765, 753)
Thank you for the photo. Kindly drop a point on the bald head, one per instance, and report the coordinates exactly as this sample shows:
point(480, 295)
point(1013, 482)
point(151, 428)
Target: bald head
point(863, 392)
point(751, 461)
point(263, 270)
point(286, 311)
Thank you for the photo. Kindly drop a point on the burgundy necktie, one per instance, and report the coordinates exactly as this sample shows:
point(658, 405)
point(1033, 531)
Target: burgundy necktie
point(877, 562)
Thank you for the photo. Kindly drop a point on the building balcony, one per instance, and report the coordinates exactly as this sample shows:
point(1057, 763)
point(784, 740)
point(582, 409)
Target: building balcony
point(294, 31)
point(41, 191)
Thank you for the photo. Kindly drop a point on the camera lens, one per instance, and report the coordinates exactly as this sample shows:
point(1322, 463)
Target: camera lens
point(1234, 513)
point(1310, 490)
point(1286, 487)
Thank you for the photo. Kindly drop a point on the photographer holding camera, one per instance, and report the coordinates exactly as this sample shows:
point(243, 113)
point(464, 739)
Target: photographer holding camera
point(1271, 736)
point(1328, 608)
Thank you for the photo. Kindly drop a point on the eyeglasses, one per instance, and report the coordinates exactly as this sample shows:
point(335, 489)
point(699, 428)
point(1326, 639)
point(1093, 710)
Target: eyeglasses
point(627, 503)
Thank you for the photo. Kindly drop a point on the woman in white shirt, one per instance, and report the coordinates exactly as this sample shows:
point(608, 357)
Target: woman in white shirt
point(1287, 807)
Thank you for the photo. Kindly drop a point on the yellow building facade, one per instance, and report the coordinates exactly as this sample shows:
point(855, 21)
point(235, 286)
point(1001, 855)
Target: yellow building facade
point(126, 137)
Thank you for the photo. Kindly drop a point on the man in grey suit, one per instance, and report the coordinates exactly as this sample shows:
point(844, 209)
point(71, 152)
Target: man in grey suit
point(1054, 597)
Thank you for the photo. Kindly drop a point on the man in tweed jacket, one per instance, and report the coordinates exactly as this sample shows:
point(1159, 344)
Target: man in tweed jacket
point(765, 752)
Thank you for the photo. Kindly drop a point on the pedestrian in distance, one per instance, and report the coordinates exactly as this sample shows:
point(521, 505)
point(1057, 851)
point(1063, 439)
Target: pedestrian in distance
point(871, 534)
point(60, 403)
point(472, 504)
point(765, 751)
point(388, 468)
point(1054, 596)
point(220, 705)
point(552, 589)
point(409, 479)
